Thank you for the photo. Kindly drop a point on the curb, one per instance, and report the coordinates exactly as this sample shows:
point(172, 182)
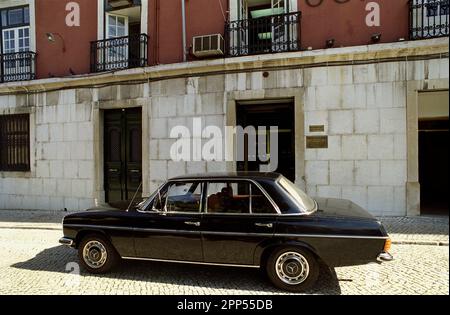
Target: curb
point(428, 243)
point(31, 227)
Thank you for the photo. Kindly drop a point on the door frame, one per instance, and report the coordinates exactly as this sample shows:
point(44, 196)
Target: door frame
point(270, 95)
point(125, 122)
point(288, 105)
point(98, 146)
point(414, 87)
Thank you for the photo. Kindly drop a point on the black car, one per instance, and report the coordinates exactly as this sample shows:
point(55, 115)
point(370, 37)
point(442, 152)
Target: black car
point(254, 220)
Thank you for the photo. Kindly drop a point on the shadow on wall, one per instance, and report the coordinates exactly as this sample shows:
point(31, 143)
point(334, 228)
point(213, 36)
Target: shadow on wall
point(55, 259)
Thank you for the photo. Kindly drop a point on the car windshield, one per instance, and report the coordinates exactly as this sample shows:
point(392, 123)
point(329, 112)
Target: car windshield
point(145, 205)
point(305, 203)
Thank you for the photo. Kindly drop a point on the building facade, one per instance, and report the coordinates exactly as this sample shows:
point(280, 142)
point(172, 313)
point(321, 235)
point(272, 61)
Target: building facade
point(91, 90)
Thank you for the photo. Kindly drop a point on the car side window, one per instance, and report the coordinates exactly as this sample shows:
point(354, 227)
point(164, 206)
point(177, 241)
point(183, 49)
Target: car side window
point(184, 197)
point(228, 197)
point(260, 203)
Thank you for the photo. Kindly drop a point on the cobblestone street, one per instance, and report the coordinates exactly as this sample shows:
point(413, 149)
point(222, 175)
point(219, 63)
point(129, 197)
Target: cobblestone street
point(32, 262)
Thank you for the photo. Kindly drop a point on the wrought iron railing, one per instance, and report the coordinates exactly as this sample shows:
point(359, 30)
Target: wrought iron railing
point(19, 66)
point(119, 53)
point(268, 34)
point(428, 18)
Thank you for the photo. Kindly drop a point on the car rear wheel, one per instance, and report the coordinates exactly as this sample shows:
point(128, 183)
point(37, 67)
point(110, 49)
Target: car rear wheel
point(292, 269)
point(96, 254)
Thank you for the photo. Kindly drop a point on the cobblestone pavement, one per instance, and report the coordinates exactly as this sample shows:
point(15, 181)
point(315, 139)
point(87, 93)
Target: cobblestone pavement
point(32, 262)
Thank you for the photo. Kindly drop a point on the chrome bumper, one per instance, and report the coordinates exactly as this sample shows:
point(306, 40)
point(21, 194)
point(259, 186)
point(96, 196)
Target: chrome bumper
point(66, 241)
point(385, 257)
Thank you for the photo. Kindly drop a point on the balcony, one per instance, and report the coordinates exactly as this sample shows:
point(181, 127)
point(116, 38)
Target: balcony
point(119, 53)
point(428, 18)
point(19, 66)
point(268, 34)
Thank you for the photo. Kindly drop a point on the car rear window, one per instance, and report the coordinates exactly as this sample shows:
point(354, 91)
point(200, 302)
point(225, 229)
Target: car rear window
point(304, 202)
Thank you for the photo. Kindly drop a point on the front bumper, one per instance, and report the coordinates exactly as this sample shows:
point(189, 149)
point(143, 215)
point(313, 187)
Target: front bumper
point(67, 241)
point(385, 256)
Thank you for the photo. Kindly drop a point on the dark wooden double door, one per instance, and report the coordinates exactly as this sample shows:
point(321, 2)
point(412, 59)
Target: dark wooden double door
point(123, 156)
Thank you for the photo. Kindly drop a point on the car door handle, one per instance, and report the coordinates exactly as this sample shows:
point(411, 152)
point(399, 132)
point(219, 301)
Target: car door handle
point(267, 225)
point(192, 223)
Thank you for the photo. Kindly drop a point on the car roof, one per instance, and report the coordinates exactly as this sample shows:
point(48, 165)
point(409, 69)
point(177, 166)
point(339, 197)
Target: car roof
point(230, 175)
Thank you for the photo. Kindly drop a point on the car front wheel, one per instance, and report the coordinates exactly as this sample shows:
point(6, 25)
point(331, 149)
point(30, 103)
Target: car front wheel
point(292, 269)
point(96, 254)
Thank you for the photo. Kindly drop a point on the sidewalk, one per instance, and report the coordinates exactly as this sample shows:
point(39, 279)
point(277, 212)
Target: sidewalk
point(402, 230)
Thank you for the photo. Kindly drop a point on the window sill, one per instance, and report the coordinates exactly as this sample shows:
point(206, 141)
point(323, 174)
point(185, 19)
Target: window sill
point(24, 174)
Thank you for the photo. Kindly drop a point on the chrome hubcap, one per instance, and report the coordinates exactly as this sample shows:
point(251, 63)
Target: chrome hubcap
point(94, 254)
point(292, 268)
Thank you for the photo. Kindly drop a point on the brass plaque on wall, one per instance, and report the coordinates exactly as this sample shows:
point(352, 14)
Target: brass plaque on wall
point(317, 142)
point(316, 128)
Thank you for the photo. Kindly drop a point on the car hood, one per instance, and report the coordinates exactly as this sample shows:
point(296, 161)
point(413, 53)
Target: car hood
point(340, 208)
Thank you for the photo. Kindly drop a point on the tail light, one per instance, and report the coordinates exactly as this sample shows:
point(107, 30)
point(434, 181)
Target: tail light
point(387, 245)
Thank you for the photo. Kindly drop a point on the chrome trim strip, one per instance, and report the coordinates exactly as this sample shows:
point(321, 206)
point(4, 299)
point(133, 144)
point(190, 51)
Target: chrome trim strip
point(231, 178)
point(237, 233)
point(131, 229)
point(191, 262)
point(333, 236)
point(107, 227)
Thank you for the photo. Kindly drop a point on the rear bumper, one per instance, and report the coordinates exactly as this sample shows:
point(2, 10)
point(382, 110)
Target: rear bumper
point(67, 241)
point(385, 256)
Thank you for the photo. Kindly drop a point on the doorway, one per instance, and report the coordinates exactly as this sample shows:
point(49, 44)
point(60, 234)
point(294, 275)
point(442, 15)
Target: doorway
point(433, 152)
point(123, 156)
point(269, 28)
point(123, 30)
point(280, 114)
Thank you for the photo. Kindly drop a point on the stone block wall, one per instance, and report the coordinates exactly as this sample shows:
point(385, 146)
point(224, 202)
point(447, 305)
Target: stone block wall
point(362, 107)
point(62, 154)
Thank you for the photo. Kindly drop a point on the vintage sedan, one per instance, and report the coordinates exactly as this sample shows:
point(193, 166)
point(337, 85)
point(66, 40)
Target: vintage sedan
point(254, 220)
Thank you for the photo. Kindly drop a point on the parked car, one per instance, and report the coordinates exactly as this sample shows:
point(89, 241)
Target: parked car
point(254, 220)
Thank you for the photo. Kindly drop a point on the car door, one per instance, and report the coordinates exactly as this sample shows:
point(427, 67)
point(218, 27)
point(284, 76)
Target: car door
point(237, 218)
point(171, 229)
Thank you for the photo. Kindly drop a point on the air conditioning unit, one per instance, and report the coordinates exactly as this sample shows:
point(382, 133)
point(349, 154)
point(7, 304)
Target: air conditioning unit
point(208, 45)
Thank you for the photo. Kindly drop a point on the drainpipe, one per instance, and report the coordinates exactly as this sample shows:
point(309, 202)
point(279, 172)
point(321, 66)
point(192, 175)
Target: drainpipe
point(183, 15)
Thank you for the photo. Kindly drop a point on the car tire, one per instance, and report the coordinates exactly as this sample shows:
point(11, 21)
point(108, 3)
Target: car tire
point(292, 269)
point(96, 254)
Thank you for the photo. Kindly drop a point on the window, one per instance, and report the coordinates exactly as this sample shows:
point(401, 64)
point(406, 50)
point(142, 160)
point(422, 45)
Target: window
point(228, 197)
point(259, 202)
point(304, 202)
point(14, 143)
point(15, 24)
point(237, 198)
point(13, 17)
point(184, 197)
point(15, 42)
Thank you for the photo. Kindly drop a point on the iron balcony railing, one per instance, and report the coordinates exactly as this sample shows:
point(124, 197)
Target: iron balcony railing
point(428, 18)
point(268, 34)
point(119, 53)
point(19, 66)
